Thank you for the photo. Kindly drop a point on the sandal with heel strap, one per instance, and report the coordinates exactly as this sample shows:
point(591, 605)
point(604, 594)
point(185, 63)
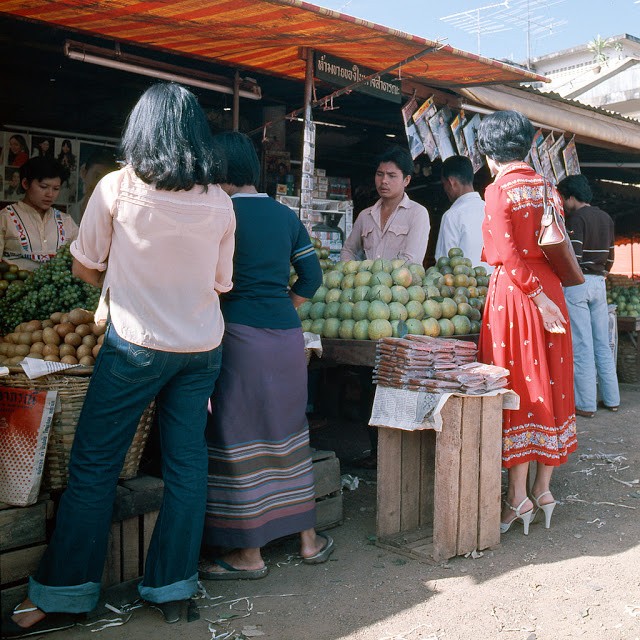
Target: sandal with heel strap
point(547, 509)
point(50, 623)
point(524, 517)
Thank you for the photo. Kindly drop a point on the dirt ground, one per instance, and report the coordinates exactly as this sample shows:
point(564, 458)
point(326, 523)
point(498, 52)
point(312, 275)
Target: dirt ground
point(579, 579)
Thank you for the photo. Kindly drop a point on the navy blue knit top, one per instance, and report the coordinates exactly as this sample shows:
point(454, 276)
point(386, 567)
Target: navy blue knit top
point(269, 238)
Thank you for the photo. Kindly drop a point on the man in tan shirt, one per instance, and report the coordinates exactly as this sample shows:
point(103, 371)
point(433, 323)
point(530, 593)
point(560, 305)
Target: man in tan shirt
point(395, 226)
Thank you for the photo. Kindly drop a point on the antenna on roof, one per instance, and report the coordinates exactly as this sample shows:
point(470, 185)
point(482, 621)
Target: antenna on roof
point(529, 15)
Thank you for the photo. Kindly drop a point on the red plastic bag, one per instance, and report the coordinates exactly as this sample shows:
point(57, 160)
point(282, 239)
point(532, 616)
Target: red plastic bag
point(25, 421)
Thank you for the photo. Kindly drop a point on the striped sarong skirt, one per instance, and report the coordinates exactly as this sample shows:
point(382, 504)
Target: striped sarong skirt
point(260, 484)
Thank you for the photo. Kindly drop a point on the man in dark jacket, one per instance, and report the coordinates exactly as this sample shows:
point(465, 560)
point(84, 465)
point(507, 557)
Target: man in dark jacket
point(592, 237)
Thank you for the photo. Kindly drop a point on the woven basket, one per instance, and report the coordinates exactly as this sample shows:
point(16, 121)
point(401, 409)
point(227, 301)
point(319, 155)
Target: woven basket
point(71, 394)
point(627, 358)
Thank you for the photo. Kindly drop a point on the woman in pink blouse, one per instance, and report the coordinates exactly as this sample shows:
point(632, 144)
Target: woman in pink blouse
point(158, 235)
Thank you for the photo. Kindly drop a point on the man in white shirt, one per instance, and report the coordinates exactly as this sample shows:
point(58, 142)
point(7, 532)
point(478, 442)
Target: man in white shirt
point(461, 225)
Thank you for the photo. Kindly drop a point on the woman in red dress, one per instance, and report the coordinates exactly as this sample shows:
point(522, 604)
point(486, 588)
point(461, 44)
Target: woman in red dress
point(524, 327)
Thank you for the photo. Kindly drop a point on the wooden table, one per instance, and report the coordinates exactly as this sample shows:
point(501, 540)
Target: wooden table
point(438, 493)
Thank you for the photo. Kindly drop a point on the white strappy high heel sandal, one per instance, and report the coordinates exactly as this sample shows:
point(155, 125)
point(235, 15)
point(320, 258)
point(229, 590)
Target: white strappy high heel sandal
point(526, 518)
point(547, 509)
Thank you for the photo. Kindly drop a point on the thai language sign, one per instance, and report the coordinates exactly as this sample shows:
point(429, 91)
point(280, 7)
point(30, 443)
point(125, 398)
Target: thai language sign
point(343, 73)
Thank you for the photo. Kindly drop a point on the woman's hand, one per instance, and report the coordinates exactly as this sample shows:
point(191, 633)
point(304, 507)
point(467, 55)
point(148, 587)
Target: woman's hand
point(551, 315)
point(296, 299)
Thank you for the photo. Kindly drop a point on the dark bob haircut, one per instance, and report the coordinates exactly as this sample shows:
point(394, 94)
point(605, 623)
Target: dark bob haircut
point(505, 136)
point(168, 142)
point(458, 167)
point(243, 166)
point(576, 186)
point(41, 168)
point(400, 157)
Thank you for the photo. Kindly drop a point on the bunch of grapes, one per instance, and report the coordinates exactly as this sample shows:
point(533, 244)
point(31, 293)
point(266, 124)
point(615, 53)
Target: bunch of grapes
point(49, 288)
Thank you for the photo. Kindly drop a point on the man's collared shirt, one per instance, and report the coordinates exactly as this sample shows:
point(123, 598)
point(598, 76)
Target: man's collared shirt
point(405, 235)
point(461, 227)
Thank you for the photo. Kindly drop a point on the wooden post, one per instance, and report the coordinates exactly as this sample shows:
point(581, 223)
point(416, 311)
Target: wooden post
point(490, 470)
point(469, 472)
point(447, 489)
point(389, 481)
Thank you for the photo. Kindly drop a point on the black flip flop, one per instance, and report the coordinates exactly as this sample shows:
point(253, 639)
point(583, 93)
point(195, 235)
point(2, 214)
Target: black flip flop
point(324, 553)
point(50, 623)
point(231, 573)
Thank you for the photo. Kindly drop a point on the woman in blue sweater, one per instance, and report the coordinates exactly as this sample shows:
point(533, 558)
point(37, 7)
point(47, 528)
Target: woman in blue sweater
point(260, 473)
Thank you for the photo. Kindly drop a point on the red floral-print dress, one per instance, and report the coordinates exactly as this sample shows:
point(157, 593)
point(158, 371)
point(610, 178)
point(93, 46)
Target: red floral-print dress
point(513, 336)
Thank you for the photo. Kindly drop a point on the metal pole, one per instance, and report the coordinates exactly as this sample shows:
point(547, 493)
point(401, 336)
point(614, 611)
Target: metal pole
point(236, 101)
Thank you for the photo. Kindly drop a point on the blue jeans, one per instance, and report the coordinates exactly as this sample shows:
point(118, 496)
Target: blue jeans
point(125, 380)
point(592, 356)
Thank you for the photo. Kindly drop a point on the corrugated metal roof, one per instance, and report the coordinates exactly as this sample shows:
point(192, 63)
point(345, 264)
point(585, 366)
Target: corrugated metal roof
point(265, 35)
point(577, 103)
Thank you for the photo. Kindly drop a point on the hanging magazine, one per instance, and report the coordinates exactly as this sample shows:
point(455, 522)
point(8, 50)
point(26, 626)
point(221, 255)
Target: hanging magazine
point(421, 120)
point(439, 124)
point(416, 146)
point(458, 134)
point(557, 161)
point(570, 156)
point(471, 138)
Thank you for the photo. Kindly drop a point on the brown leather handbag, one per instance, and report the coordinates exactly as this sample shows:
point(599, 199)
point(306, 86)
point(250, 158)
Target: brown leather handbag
point(554, 242)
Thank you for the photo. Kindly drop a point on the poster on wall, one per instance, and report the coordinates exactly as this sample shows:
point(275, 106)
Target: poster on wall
point(15, 150)
point(439, 124)
point(83, 165)
point(570, 156)
point(471, 138)
point(42, 146)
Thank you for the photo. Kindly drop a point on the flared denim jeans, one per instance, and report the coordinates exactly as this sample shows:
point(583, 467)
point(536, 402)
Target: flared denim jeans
point(592, 356)
point(126, 378)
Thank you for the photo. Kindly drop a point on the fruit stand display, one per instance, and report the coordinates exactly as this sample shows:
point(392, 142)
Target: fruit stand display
point(624, 292)
point(372, 299)
point(362, 301)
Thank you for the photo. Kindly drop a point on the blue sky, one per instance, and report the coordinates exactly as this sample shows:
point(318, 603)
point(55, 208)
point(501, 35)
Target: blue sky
point(554, 24)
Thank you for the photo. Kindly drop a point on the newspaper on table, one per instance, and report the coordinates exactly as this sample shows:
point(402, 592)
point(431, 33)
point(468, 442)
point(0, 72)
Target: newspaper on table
point(411, 410)
point(35, 368)
point(312, 343)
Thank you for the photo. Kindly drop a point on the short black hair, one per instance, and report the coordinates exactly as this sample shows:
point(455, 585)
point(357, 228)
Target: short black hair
point(576, 186)
point(400, 157)
point(41, 168)
point(243, 166)
point(459, 167)
point(105, 156)
point(168, 142)
point(505, 136)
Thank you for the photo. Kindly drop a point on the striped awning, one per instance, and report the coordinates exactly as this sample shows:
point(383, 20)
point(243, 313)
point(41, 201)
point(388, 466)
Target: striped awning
point(265, 36)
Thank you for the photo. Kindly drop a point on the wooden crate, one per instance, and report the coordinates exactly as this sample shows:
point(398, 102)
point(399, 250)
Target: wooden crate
point(23, 534)
point(326, 472)
point(439, 492)
point(135, 513)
